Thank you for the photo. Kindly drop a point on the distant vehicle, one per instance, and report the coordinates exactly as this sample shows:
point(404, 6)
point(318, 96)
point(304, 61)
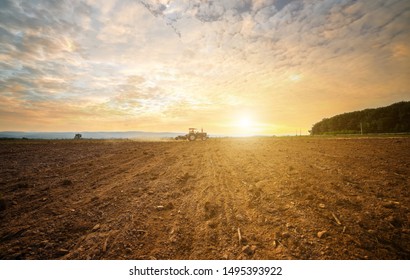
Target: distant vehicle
point(193, 135)
point(77, 136)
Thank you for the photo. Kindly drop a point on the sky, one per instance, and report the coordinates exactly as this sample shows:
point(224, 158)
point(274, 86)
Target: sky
point(247, 67)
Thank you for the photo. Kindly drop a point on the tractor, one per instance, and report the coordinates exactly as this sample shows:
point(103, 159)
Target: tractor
point(194, 134)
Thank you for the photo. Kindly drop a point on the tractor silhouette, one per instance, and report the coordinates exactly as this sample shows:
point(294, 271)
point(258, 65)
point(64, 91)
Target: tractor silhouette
point(193, 135)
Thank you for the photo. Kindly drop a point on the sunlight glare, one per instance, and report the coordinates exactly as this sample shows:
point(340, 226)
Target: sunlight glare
point(245, 125)
point(245, 122)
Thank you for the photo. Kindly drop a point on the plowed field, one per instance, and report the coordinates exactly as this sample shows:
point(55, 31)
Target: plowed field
point(250, 198)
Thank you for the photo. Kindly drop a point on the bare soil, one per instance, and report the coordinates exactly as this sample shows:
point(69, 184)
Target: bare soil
point(250, 198)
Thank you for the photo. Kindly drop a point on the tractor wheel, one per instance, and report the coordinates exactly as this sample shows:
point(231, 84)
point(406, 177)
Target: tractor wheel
point(192, 137)
point(204, 138)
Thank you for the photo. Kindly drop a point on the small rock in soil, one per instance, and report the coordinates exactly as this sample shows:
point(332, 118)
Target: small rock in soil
point(321, 205)
point(394, 221)
point(240, 217)
point(391, 204)
point(322, 233)
point(97, 226)
point(248, 249)
point(62, 252)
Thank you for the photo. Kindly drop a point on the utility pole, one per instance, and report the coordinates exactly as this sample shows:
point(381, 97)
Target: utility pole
point(361, 128)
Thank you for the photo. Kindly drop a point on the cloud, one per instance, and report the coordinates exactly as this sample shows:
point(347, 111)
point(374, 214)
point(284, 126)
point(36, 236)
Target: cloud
point(163, 59)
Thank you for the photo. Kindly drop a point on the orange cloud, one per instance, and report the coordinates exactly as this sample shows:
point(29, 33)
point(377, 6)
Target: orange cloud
point(164, 66)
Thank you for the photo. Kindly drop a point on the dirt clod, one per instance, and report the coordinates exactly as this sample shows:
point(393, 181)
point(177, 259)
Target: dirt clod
point(66, 182)
point(211, 210)
point(169, 206)
point(62, 252)
point(285, 234)
point(322, 233)
point(249, 249)
point(391, 204)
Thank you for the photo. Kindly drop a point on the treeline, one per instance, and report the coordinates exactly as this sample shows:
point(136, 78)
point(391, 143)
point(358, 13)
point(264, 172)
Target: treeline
point(391, 119)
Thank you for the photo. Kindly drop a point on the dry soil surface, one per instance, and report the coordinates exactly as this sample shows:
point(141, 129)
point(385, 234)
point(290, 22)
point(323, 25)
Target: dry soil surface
point(251, 198)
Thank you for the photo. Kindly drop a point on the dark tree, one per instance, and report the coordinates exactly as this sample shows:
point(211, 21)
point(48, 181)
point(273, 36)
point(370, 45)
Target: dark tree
point(391, 119)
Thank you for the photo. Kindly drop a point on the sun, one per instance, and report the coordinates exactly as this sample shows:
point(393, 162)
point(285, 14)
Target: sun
point(245, 126)
point(245, 123)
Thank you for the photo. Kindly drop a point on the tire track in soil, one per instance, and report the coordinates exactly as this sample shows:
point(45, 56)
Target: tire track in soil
point(125, 231)
point(82, 205)
point(305, 217)
point(286, 223)
point(224, 208)
point(257, 226)
point(287, 217)
point(212, 215)
point(166, 236)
